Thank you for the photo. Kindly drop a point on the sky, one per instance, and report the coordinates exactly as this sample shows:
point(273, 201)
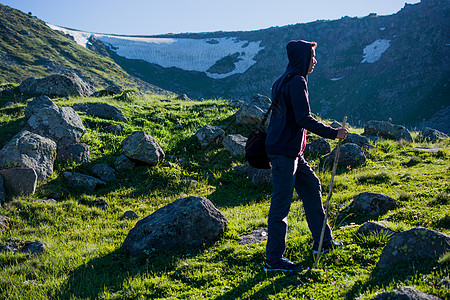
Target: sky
point(154, 17)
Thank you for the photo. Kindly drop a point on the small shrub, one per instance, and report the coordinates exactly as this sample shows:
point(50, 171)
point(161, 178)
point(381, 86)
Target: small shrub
point(444, 259)
point(440, 199)
point(369, 178)
point(377, 239)
point(386, 146)
point(413, 161)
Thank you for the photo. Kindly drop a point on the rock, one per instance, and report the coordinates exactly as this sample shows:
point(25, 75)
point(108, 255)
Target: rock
point(104, 172)
point(373, 204)
point(336, 124)
point(102, 204)
point(236, 103)
point(257, 236)
point(77, 153)
point(29, 150)
point(431, 135)
point(318, 147)
point(102, 110)
point(63, 125)
point(425, 149)
point(360, 140)
point(123, 163)
point(27, 247)
point(57, 85)
point(46, 201)
point(253, 112)
point(4, 224)
point(372, 228)
point(2, 191)
point(37, 104)
point(19, 181)
point(262, 177)
point(245, 169)
point(235, 144)
point(8, 104)
point(186, 222)
point(208, 135)
point(143, 148)
point(33, 248)
point(351, 155)
point(387, 130)
point(11, 246)
point(130, 215)
point(405, 293)
point(416, 244)
point(82, 181)
point(183, 97)
point(115, 129)
point(114, 89)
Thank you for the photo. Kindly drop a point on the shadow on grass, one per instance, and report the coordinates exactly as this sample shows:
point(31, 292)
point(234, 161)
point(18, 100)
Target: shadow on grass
point(110, 272)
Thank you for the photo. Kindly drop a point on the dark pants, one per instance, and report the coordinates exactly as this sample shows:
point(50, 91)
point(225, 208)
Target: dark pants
point(287, 174)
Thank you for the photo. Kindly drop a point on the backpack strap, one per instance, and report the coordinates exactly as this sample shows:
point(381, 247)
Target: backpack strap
point(266, 115)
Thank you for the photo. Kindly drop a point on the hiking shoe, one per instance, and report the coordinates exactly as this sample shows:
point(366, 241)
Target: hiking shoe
point(331, 245)
point(283, 264)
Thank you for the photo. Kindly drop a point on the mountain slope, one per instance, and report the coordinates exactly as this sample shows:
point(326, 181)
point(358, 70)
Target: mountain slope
point(28, 47)
point(393, 67)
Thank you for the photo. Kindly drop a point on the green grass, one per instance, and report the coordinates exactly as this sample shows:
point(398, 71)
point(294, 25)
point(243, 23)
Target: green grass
point(83, 259)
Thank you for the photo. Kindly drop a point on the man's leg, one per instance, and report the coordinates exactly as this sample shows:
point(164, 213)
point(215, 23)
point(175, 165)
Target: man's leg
point(309, 189)
point(283, 176)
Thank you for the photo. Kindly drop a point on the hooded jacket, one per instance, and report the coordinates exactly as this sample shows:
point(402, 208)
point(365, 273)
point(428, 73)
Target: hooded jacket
point(291, 113)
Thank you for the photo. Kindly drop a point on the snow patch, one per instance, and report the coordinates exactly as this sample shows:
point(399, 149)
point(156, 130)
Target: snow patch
point(187, 54)
point(382, 28)
point(336, 79)
point(373, 52)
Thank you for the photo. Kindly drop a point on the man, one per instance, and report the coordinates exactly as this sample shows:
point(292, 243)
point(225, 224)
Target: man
point(286, 140)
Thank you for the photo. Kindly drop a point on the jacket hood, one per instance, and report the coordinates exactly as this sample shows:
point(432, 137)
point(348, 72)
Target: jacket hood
point(299, 56)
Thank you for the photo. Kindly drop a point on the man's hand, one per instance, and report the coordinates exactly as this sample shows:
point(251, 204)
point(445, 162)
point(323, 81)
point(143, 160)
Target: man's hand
point(342, 133)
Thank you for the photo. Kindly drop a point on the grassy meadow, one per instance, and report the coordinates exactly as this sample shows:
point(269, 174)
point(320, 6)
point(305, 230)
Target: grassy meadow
point(83, 259)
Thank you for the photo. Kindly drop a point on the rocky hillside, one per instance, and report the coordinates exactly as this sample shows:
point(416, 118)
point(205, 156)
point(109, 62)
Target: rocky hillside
point(392, 67)
point(28, 47)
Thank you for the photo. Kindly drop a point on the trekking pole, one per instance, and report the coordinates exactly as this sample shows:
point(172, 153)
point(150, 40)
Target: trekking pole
point(336, 158)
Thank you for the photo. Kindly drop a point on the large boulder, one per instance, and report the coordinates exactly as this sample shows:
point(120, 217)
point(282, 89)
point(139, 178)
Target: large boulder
point(63, 125)
point(360, 140)
point(431, 135)
point(387, 130)
point(78, 153)
point(29, 150)
point(19, 181)
point(104, 172)
point(253, 111)
point(235, 144)
point(373, 203)
point(102, 110)
point(208, 135)
point(57, 85)
point(318, 147)
point(405, 293)
point(351, 155)
point(142, 147)
point(186, 222)
point(37, 104)
point(83, 181)
point(416, 244)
